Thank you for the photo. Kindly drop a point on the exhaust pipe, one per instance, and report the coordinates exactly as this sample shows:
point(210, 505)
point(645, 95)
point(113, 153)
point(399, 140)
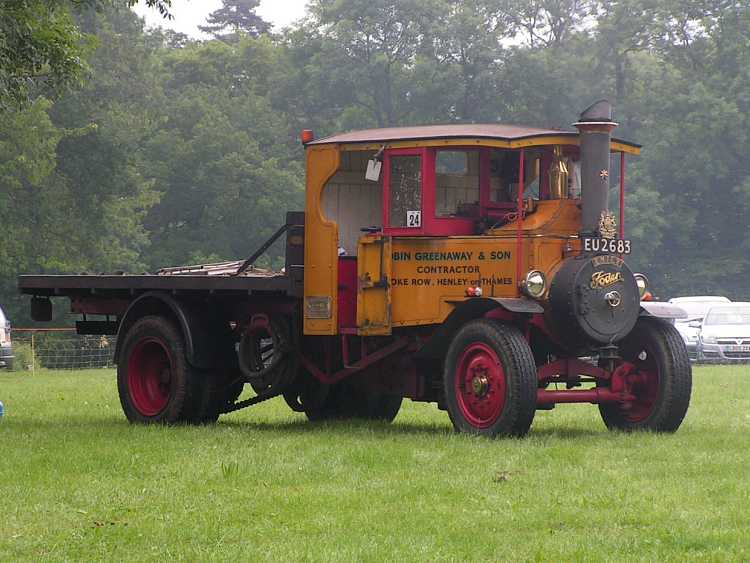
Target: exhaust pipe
point(595, 128)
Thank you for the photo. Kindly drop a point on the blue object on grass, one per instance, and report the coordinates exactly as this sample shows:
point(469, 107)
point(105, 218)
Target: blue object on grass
point(2, 409)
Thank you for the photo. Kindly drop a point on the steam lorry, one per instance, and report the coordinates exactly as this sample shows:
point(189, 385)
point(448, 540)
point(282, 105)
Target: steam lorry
point(477, 267)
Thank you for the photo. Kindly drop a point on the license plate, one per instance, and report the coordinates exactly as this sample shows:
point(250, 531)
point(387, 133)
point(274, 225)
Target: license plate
point(613, 246)
point(733, 348)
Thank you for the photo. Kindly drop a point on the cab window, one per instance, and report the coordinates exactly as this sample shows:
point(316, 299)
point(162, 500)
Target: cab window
point(456, 182)
point(405, 191)
point(504, 175)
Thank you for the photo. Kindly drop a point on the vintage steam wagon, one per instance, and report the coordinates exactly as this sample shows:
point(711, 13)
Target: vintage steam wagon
point(464, 265)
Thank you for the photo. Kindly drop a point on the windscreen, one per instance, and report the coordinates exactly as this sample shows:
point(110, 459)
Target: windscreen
point(696, 309)
point(728, 316)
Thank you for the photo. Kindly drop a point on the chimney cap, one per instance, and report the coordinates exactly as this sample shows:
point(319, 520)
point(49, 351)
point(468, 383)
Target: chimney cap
point(597, 112)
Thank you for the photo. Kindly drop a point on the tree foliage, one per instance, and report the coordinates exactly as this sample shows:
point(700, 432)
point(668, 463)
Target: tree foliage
point(235, 17)
point(42, 49)
point(129, 150)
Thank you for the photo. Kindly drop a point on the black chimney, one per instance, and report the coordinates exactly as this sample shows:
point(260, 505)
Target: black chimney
point(595, 127)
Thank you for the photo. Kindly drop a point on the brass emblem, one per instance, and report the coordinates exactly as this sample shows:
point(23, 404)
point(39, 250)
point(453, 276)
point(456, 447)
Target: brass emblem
point(608, 225)
point(605, 279)
point(604, 174)
point(607, 259)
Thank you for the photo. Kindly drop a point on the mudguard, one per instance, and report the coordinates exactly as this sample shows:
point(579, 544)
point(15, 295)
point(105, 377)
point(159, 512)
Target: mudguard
point(196, 330)
point(470, 309)
point(661, 310)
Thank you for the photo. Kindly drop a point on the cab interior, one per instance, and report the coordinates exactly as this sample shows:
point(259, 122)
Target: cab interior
point(430, 191)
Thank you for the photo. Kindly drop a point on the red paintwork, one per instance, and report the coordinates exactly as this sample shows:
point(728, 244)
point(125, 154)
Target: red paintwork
point(259, 323)
point(622, 195)
point(149, 376)
point(635, 386)
point(480, 409)
point(387, 229)
point(569, 367)
point(347, 297)
point(98, 306)
point(597, 395)
point(519, 221)
point(328, 378)
point(642, 380)
point(432, 225)
point(502, 315)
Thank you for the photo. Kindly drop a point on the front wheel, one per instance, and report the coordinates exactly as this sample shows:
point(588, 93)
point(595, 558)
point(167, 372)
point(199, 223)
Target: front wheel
point(660, 380)
point(490, 380)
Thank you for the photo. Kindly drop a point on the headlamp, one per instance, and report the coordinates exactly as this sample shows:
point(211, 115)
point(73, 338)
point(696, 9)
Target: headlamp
point(535, 284)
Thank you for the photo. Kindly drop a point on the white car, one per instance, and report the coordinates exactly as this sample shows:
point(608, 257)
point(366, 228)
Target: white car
point(6, 350)
point(696, 308)
point(725, 333)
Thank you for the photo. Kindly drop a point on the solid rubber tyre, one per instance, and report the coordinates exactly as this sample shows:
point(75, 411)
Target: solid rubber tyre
point(659, 353)
point(490, 380)
point(155, 383)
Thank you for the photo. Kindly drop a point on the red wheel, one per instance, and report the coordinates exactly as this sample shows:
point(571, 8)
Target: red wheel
point(154, 380)
point(480, 385)
point(149, 376)
point(644, 384)
point(490, 380)
point(660, 380)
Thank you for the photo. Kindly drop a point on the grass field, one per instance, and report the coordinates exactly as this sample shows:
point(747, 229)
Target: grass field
point(78, 482)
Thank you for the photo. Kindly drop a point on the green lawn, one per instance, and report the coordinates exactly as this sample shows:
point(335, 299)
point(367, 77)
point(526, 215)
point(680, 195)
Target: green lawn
point(78, 482)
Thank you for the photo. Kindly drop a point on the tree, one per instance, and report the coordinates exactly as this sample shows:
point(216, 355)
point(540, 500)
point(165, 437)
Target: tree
point(234, 17)
point(41, 48)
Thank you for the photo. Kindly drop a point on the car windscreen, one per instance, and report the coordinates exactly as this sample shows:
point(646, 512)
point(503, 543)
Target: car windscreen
point(728, 316)
point(695, 309)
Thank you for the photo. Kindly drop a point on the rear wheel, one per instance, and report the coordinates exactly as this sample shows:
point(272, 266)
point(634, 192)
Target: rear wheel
point(661, 380)
point(154, 380)
point(490, 380)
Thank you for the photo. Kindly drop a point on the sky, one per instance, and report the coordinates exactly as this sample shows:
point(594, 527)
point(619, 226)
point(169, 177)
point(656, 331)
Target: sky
point(189, 14)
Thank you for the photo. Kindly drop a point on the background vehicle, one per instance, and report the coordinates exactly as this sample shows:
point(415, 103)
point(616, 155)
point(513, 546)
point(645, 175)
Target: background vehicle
point(6, 349)
point(725, 333)
point(696, 308)
point(471, 279)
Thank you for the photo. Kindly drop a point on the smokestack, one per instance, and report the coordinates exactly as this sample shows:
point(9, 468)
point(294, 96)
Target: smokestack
point(595, 128)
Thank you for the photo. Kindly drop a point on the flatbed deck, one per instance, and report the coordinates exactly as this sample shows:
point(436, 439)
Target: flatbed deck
point(128, 285)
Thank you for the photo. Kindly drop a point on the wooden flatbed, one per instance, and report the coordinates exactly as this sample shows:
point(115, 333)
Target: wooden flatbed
point(129, 285)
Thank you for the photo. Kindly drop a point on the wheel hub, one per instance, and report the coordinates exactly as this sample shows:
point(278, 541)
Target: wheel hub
point(480, 384)
point(150, 376)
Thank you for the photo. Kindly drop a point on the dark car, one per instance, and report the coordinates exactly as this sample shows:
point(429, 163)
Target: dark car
point(6, 350)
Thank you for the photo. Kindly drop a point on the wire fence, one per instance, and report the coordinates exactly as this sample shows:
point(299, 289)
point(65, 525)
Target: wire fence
point(60, 348)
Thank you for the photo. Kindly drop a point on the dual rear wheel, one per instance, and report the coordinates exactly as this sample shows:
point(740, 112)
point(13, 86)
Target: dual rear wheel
point(156, 384)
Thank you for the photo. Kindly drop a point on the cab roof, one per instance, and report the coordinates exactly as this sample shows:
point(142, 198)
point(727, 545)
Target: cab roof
point(490, 131)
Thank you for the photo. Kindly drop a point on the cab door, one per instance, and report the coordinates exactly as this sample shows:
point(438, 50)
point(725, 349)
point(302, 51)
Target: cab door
point(373, 285)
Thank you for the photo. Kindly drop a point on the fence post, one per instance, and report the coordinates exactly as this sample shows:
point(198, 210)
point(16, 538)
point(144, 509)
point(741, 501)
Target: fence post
point(33, 355)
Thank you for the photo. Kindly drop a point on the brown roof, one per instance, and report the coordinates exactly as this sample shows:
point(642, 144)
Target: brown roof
point(455, 131)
